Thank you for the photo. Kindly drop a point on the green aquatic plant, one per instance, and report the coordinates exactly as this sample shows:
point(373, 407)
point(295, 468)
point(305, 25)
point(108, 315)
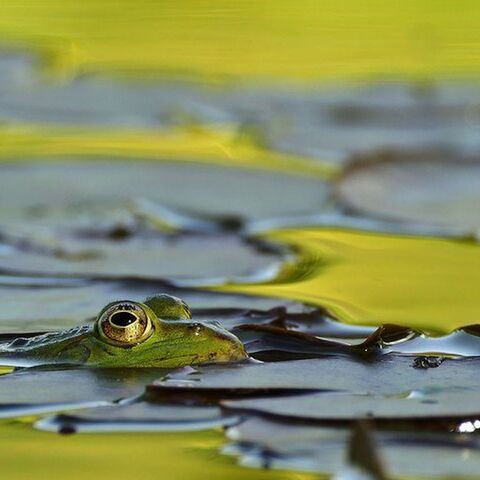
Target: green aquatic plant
point(157, 333)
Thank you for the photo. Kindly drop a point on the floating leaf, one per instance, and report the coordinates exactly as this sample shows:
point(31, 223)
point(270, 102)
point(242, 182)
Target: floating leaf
point(39, 386)
point(343, 406)
point(270, 444)
point(187, 259)
point(333, 124)
point(98, 196)
point(386, 374)
point(95, 101)
point(38, 392)
point(16, 72)
point(430, 187)
point(138, 417)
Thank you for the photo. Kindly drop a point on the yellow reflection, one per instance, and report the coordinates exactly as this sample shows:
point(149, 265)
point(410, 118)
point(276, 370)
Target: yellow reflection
point(218, 146)
point(370, 279)
point(173, 456)
point(299, 40)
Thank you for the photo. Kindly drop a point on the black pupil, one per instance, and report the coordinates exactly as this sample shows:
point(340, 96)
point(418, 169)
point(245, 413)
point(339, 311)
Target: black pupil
point(123, 319)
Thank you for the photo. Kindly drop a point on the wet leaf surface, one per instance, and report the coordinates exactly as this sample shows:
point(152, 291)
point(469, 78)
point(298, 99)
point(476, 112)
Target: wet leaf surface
point(349, 407)
point(430, 187)
point(384, 374)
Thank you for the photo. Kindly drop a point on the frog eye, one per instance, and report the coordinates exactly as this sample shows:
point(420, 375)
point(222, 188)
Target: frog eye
point(124, 323)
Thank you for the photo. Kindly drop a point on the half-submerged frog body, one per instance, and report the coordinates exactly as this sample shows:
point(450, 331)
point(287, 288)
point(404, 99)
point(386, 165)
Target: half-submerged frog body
point(157, 333)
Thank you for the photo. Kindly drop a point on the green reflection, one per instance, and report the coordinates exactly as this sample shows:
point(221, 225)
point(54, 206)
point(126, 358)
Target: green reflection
point(429, 284)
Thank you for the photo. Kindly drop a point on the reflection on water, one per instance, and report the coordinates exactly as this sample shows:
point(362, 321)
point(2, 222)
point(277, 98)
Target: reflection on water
point(122, 456)
point(273, 39)
point(371, 279)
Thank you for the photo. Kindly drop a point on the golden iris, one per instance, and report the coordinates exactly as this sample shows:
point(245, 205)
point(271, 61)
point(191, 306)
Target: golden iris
point(125, 323)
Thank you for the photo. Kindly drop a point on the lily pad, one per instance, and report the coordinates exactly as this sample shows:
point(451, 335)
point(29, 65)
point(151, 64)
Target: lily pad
point(186, 259)
point(138, 417)
point(95, 195)
point(38, 386)
point(263, 443)
point(16, 70)
point(386, 375)
point(429, 187)
point(331, 124)
point(97, 101)
point(349, 407)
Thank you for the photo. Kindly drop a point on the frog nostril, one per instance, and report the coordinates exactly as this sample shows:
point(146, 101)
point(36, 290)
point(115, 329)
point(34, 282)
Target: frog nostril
point(123, 319)
point(196, 328)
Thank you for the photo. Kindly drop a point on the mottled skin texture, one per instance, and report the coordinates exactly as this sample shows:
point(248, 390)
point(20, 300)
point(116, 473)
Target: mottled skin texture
point(157, 333)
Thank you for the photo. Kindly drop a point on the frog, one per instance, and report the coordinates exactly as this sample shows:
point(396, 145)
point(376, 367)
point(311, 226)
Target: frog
point(158, 332)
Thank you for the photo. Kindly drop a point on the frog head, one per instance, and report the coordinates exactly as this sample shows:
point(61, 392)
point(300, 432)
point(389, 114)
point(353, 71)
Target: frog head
point(157, 333)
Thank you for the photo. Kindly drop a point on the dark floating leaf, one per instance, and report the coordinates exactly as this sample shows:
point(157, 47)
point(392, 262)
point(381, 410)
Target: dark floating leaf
point(286, 317)
point(432, 350)
point(138, 417)
point(429, 186)
point(271, 343)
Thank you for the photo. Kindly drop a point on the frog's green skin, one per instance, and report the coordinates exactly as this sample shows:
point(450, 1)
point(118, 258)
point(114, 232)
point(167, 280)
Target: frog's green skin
point(174, 341)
